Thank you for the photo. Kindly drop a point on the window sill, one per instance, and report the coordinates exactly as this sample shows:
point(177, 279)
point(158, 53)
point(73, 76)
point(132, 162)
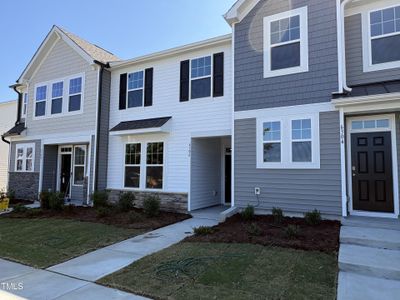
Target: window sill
point(381, 67)
point(289, 166)
point(283, 72)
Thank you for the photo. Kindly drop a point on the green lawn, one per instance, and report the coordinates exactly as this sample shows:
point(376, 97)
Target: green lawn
point(229, 271)
point(45, 242)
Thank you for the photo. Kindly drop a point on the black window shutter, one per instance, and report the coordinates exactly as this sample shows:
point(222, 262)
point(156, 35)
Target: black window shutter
point(122, 91)
point(218, 78)
point(148, 87)
point(184, 89)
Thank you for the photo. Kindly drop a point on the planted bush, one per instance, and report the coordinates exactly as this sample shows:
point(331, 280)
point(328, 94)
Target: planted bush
point(254, 230)
point(56, 201)
point(126, 201)
point(292, 231)
point(135, 217)
point(248, 213)
point(277, 214)
point(203, 230)
point(151, 206)
point(313, 217)
point(19, 208)
point(100, 199)
point(10, 195)
point(44, 200)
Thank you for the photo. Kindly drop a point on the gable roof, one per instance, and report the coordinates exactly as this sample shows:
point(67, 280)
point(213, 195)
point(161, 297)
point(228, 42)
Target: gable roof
point(239, 10)
point(88, 51)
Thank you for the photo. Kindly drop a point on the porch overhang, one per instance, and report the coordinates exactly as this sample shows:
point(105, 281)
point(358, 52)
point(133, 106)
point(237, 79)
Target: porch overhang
point(17, 130)
point(154, 125)
point(381, 102)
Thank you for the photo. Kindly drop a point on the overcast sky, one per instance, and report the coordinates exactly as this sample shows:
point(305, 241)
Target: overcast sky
point(127, 28)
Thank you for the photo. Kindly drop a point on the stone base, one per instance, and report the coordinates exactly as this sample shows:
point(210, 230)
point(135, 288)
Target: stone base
point(173, 202)
point(24, 184)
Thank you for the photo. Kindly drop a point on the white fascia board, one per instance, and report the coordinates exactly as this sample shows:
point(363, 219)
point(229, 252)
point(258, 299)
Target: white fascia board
point(174, 51)
point(163, 129)
point(239, 11)
point(362, 100)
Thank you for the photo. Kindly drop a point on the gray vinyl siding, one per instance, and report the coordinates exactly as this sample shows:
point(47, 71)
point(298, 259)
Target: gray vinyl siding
point(63, 61)
point(398, 147)
point(50, 159)
point(103, 134)
point(37, 154)
point(253, 91)
point(205, 172)
point(354, 56)
point(294, 191)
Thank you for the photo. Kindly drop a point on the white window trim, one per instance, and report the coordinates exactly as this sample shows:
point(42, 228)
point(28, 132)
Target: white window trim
point(286, 143)
point(201, 77)
point(133, 165)
point(154, 165)
point(52, 98)
point(24, 147)
point(24, 104)
point(143, 165)
point(367, 39)
point(303, 13)
point(75, 165)
point(130, 90)
point(65, 97)
point(74, 94)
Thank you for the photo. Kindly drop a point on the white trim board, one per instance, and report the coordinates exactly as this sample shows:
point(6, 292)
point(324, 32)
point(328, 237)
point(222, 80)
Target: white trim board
point(392, 129)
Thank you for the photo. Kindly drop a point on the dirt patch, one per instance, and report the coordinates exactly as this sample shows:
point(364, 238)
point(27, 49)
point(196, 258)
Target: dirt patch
point(133, 219)
point(263, 231)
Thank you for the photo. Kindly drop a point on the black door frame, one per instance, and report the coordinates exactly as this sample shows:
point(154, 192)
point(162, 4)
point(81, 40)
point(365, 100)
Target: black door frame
point(392, 129)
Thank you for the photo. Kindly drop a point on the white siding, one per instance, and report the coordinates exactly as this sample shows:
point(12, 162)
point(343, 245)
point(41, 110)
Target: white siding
point(8, 115)
point(188, 118)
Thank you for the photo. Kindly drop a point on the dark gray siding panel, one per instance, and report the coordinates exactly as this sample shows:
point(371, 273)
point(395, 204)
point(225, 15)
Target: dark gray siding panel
point(354, 56)
point(103, 136)
point(252, 91)
point(49, 181)
point(294, 191)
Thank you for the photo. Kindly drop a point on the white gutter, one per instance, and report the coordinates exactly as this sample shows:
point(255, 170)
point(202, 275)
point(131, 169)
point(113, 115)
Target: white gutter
point(342, 47)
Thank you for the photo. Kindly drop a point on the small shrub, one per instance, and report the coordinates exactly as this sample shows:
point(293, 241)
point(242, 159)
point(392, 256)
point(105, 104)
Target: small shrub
point(103, 212)
point(100, 199)
point(135, 217)
point(248, 213)
point(254, 230)
point(313, 217)
point(151, 206)
point(277, 213)
point(19, 208)
point(45, 200)
point(11, 195)
point(34, 212)
point(126, 202)
point(203, 230)
point(56, 201)
point(292, 231)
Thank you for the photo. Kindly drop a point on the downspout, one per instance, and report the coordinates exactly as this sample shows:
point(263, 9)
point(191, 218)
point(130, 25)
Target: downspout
point(343, 46)
point(97, 146)
point(18, 104)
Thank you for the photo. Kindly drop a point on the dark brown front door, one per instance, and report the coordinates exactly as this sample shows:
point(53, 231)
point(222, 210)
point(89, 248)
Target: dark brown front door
point(371, 155)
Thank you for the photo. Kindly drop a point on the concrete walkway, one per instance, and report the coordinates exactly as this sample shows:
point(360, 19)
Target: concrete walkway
point(369, 259)
point(74, 279)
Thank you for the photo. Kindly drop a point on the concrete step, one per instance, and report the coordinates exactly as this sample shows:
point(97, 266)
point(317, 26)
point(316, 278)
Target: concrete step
point(381, 263)
point(370, 237)
point(369, 222)
point(360, 287)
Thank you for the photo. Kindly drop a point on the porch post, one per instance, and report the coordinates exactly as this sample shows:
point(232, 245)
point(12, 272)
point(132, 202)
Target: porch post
point(343, 162)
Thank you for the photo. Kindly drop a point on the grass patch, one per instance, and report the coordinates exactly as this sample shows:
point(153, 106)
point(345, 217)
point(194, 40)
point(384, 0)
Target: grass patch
point(45, 242)
point(230, 271)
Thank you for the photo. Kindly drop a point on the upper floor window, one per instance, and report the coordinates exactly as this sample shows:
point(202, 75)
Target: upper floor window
point(286, 43)
point(40, 105)
point(75, 94)
point(135, 89)
point(200, 77)
point(24, 105)
point(25, 157)
point(382, 39)
point(56, 97)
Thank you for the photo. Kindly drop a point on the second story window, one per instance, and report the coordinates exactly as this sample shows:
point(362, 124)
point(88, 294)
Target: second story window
point(135, 89)
point(40, 98)
point(75, 94)
point(286, 43)
point(56, 97)
point(381, 46)
point(200, 77)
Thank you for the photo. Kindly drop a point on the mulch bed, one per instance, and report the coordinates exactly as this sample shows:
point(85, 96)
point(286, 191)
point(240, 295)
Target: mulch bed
point(322, 237)
point(19, 201)
point(134, 219)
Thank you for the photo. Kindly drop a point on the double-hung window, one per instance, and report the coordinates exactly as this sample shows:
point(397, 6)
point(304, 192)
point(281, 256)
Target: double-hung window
point(75, 94)
point(57, 97)
point(135, 89)
point(25, 157)
point(286, 43)
point(200, 77)
point(288, 142)
point(382, 39)
point(24, 105)
point(40, 98)
point(79, 164)
point(154, 165)
point(132, 165)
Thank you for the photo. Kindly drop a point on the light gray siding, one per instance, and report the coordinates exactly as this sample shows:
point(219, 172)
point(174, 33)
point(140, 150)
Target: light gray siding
point(294, 191)
point(103, 134)
point(49, 177)
point(354, 56)
point(252, 91)
point(205, 172)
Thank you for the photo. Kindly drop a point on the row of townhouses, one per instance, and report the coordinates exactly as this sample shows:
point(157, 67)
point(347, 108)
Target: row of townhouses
point(298, 108)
